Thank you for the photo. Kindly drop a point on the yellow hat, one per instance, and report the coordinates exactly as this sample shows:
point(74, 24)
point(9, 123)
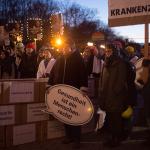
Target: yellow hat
point(130, 49)
point(127, 113)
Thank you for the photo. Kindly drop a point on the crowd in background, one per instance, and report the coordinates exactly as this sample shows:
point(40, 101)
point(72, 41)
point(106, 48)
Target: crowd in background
point(114, 67)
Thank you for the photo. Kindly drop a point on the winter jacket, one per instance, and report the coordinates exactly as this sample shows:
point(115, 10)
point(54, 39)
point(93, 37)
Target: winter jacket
point(112, 87)
point(28, 66)
point(70, 70)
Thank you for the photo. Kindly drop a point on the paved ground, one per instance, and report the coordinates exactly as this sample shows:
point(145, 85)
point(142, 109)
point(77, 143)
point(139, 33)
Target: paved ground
point(90, 141)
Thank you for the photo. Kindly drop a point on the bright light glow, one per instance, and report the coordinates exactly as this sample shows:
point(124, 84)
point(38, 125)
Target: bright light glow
point(102, 46)
point(19, 39)
point(90, 44)
point(58, 41)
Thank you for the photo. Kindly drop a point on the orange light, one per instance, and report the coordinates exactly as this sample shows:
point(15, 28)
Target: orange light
point(58, 41)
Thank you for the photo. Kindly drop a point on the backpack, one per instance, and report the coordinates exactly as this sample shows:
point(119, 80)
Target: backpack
point(132, 92)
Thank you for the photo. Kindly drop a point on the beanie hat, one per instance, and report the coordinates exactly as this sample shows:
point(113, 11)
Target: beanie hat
point(30, 45)
point(20, 45)
point(130, 49)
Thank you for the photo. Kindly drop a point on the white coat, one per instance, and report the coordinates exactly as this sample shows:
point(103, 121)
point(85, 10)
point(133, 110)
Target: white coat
point(42, 71)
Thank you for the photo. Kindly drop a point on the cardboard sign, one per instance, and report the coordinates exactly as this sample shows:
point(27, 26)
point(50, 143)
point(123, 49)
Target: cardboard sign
point(96, 36)
point(24, 134)
point(21, 92)
point(55, 129)
point(34, 112)
point(7, 115)
point(128, 12)
point(69, 105)
point(0, 91)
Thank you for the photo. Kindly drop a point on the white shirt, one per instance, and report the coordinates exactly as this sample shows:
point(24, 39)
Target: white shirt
point(42, 70)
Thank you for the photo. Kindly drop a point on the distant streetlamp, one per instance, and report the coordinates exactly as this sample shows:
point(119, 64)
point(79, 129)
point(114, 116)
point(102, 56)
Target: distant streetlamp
point(35, 43)
point(19, 38)
point(90, 44)
point(102, 46)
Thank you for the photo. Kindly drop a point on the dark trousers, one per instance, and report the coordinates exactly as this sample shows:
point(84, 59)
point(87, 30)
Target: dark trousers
point(115, 124)
point(73, 132)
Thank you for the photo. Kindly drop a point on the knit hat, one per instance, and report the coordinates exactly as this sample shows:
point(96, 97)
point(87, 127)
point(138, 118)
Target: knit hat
point(130, 49)
point(30, 45)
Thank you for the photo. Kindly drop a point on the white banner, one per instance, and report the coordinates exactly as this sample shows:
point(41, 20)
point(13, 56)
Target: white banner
point(34, 112)
point(126, 9)
point(24, 134)
point(21, 92)
point(7, 115)
point(69, 105)
point(55, 129)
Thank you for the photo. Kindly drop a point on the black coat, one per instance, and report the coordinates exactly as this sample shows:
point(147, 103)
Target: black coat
point(28, 66)
point(73, 73)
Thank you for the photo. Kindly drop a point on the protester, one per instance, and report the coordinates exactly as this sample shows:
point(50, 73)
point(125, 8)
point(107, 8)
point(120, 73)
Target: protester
point(6, 65)
point(144, 80)
point(40, 56)
point(92, 61)
point(45, 65)
point(113, 93)
point(28, 64)
point(70, 69)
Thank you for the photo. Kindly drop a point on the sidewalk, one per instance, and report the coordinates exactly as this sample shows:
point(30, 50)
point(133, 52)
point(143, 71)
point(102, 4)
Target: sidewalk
point(90, 141)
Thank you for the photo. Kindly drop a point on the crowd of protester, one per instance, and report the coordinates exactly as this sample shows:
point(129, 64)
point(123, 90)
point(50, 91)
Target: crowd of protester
point(113, 66)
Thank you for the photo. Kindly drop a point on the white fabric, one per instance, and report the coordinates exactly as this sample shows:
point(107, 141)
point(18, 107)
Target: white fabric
point(134, 60)
point(101, 119)
point(42, 70)
point(97, 65)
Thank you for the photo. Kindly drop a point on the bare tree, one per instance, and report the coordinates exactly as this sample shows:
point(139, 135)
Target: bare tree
point(74, 14)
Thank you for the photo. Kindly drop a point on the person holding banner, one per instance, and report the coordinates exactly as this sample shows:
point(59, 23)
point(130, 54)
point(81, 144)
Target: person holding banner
point(65, 71)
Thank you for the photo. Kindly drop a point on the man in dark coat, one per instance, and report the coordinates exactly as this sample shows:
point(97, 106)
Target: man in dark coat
point(28, 64)
point(113, 93)
point(70, 69)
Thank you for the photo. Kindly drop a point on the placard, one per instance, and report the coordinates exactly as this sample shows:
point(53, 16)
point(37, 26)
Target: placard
point(0, 91)
point(21, 92)
point(128, 12)
point(34, 112)
point(55, 129)
point(69, 105)
point(91, 87)
point(7, 115)
point(24, 134)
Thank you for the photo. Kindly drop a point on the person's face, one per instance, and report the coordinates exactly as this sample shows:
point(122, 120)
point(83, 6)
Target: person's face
point(41, 54)
point(29, 50)
point(108, 52)
point(86, 53)
point(17, 26)
point(37, 24)
point(47, 54)
point(2, 56)
point(66, 49)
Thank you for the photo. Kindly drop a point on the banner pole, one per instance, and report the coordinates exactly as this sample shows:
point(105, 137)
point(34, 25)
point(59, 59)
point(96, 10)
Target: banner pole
point(146, 40)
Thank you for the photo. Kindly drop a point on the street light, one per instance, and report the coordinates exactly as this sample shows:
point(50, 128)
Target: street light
point(90, 44)
point(102, 46)
point(58, 42)
point(35, 43)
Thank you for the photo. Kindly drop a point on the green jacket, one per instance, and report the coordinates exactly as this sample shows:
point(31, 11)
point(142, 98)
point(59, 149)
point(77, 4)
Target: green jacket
point(113, 87)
